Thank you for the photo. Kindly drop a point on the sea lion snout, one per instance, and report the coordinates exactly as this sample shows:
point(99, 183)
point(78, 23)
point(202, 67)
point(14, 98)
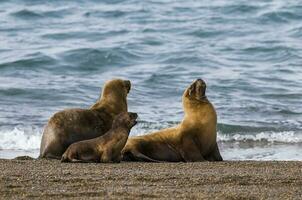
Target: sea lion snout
point(133, 117)
point(127, 85)
point(197, 89)
point(200, 82)
point(201, 88)
point(125, 119)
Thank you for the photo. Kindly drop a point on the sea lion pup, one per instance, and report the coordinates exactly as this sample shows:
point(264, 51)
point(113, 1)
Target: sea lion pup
point(73, 125)
point(105, 148)
point(194, 139)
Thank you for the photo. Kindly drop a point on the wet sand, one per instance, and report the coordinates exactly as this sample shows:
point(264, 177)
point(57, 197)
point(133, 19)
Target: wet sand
point(221, 180)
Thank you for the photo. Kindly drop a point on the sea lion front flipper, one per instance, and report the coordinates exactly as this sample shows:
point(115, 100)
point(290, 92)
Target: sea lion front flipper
point(214, 155)
point(192, 157)
point(106, 156)
point(190, 151)
point(117, 159)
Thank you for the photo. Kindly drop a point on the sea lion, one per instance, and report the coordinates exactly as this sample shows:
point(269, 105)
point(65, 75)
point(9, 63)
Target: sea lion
point(105, 148)
point(194, 139)
point(73, 125)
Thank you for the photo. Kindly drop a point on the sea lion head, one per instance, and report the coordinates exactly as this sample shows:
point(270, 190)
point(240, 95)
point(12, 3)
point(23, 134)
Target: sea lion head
point(115, 94)
point(125, 119)
point(116, 87)
point(196, 91)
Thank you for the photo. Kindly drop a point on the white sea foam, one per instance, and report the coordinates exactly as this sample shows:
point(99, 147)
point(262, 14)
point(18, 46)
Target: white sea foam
point(26, 141)
point(22, 139)
point(30, 138)
point(271, 137)
point(266, 152)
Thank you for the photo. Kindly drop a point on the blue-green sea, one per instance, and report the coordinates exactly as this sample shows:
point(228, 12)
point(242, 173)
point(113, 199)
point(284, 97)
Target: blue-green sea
point(57, 54)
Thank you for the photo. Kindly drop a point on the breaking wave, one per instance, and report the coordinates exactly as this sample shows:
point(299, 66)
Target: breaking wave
point(30, 138)
point(20, 139)
point(270, 137)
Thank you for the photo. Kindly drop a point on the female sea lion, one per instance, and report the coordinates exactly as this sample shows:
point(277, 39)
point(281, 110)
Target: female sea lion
point(72, 125)
point(105, 148)
point(194, 139)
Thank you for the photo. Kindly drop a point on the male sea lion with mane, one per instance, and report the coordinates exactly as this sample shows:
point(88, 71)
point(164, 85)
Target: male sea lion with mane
point(106, 148)
point(73, 125)
point(194, 139)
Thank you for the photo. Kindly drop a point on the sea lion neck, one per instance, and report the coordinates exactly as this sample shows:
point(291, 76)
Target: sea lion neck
point(121, 128)
point(196, 109)
point(191, 105)
point(114, 108)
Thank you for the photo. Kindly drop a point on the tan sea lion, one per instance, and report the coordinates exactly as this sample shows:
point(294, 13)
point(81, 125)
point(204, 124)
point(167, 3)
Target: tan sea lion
point(73, 125)
point(194, 139)
point(105, 148)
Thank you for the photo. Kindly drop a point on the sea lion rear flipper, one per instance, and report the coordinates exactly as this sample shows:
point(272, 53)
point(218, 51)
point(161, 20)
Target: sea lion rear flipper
point(141, 157)
point(81, 161)
point(49, 156)
point(77, 161)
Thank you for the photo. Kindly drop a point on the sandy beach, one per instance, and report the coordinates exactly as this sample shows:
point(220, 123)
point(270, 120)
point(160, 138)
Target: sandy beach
point(220, 180)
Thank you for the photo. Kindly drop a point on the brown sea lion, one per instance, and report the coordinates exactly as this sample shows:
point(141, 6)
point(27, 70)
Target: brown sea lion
point(105, 148)
point(194, 139)
point(73, 125)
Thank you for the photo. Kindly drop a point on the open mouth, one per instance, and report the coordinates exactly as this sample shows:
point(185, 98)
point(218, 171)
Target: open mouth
point(134, 122)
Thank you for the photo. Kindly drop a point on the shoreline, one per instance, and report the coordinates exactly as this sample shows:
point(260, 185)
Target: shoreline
point(229, 150)
point(136, 180)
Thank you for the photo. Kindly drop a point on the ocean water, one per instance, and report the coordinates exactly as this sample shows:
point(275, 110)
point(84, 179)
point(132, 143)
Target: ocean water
point(57, 54)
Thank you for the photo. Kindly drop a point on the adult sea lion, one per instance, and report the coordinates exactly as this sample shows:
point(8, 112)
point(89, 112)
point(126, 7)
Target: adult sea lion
point(105, 148)
point(72, 125)
point(194, 139)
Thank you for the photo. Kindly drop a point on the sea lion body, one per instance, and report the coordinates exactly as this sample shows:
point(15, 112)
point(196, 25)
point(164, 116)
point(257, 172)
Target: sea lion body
point(105, 148)
point(73, 125)
point(194, 139)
